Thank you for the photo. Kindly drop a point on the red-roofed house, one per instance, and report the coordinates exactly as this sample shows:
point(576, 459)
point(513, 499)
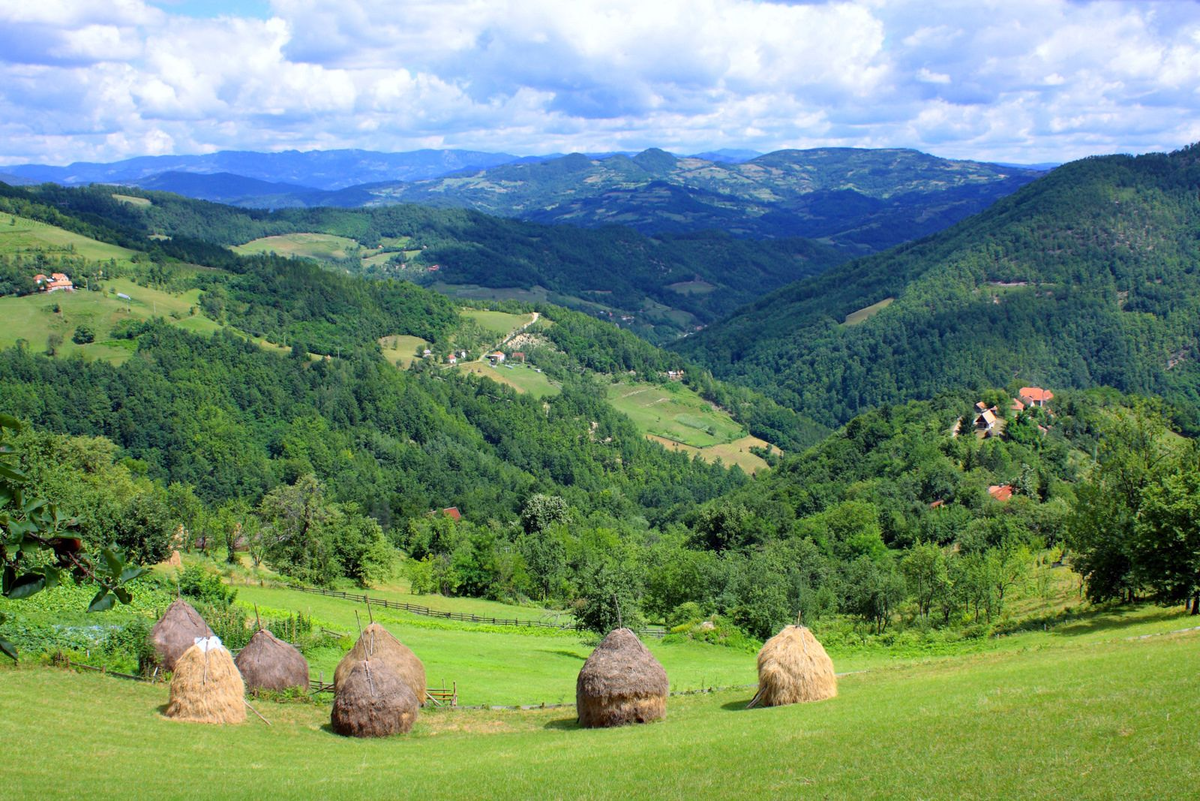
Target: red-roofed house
point(986, 421)
point(452, 513)
point(1001, 492)
point(1017, 406)
point(55, 282)
point(938, 504)
point(1035, 396)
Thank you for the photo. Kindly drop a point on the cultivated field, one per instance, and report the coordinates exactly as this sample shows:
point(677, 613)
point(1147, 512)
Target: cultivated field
point(674, 412)
point(1087, 714)
point(730, 453)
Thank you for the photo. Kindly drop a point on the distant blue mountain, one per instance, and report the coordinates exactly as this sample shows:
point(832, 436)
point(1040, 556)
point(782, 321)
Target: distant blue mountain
point(727, 155)
point(315, 169)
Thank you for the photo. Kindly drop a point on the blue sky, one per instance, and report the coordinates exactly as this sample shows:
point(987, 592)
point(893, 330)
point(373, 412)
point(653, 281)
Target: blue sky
point(1018, 80)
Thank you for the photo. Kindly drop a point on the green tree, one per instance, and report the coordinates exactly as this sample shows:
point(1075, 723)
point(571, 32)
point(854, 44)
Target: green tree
point(1166, 546)
point(927, 575)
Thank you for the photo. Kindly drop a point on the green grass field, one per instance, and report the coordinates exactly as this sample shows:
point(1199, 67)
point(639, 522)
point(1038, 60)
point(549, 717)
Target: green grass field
point(1083, 717)
point(32, 317)
point(401, 349)
point(732, 453)
point(322, 247)
point(132, 200)
point(18, 234)
point(499, 323)
point(866, 313)
point(674, 412)
point(523, 378)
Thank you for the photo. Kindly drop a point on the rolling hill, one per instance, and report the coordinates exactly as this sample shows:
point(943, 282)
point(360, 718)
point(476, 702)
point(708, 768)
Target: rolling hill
point(862, 200)
point(659, 287)
point(1085, 277)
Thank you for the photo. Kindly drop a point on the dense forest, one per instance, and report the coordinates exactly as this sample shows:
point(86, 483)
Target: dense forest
point(1083, 278)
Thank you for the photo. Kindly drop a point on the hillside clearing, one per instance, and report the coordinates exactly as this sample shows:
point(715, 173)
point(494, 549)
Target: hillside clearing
point(867, 312)
point(674, 412)
point(729, 453)
point(502, 324)
point(22, 235)
point(401, 349)
point(521, 377)
point(322, 247)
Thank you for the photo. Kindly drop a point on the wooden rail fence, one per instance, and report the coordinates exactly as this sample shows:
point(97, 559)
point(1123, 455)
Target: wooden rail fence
point(418, 609)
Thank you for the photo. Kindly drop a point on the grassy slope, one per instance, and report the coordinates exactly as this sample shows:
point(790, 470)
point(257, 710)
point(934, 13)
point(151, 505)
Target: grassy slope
point(675, 412)
point(401, 348)
point(323, 247)
point(522, 378)
point(30, 235)
point(32, 317)
point(1089, 719)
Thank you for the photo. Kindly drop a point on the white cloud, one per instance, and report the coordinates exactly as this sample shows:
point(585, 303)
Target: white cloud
point(1017, 80)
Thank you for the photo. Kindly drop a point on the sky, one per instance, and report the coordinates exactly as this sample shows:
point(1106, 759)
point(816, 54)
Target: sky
point(1024, 81)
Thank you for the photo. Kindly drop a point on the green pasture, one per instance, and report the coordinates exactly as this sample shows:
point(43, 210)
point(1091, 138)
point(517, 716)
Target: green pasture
point(521, 377)
point(495, 665)
point(32, 317)
point(499, 323)
point(674, 412)
point(1083, 718)
point(696, 287)
point(322, 247)
point(867, 312)
point(21, 235)
point(401, 348)
point(732, 453)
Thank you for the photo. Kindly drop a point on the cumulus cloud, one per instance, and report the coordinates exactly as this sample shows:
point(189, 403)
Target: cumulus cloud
point(1018, 80)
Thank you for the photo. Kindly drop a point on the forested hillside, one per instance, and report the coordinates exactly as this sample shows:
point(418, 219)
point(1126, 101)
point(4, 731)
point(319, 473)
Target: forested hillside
point(862, 200)
point(657, 287)
point(1084, 278)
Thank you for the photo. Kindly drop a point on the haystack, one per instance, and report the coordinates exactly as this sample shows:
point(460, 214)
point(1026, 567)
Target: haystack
point(373, 700)
point(176, 631)
point(206, 686)
point(792, 668)
point(621, 682)
point(378, 645)
point(269, 663)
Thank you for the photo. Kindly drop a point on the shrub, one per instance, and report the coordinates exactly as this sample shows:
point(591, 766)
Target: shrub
point(204, 586)
point(83, 335)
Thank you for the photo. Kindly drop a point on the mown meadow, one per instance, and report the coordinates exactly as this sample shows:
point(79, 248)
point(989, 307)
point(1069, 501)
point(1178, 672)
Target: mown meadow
point(1096, 714)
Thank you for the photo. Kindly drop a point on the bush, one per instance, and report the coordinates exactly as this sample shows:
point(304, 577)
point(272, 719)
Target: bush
point(204, 586)
point(83, 335)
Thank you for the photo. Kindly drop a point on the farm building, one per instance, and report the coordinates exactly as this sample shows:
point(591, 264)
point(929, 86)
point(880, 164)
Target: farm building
point(1035, 396)
point(1001, 492)
point(497, 357)
point(793, 668)
point(621, 682)
point(56, 282)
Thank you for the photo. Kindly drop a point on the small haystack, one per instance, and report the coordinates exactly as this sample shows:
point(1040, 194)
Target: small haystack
point(621, 682)
point(378, 645)
point(269, 663)
point(177, 631)
point(792, 668)
point(206, 686)
point(373, 700)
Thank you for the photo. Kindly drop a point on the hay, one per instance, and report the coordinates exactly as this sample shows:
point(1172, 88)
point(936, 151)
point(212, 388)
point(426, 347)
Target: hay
point(621, 682)
point(378, 645)
point(176, 632)
point(373, 701)
point(793, 668)
point(269, 663)
point(206, 687)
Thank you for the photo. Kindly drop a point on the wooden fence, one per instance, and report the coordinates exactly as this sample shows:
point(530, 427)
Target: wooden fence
point(418, 609)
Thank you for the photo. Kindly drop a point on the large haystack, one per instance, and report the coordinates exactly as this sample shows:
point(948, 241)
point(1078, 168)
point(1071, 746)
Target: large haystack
point(377, 644)
point(206, 686)
point(621, 682)
point(176, 631)
point(792, 668)
point(372, 700)
point(269, 663)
